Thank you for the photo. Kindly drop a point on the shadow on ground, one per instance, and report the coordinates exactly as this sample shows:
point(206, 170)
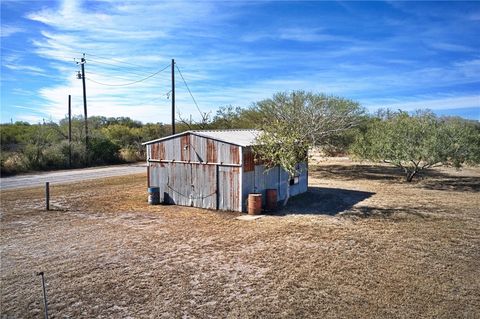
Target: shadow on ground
point(451, 183)
point(324, 201)
point(353, 172)
point(429, 179)
point(382, 212)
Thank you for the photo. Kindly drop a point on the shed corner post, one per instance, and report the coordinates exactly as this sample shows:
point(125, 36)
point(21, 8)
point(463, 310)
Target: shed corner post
point(148, 164)
point(217, 187)
point(240, 183)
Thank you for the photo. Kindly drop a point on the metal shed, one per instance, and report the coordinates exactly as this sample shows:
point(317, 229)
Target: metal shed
point(215, 169)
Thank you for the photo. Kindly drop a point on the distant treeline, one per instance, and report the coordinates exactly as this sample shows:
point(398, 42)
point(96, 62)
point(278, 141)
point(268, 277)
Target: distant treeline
point(32, 147)
point(29, 147)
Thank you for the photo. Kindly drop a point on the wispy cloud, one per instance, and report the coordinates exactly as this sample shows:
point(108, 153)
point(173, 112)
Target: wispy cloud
point(8, 30)
point(299, 34)
point(14, 62)
point(28, 68)
point(229, 55)
point(452, 47)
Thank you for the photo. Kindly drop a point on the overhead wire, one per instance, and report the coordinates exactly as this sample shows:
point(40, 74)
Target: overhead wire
point(122, 67)
point(186, 85)
point(119, 67)
point(131, 83)
point(116, 60)
point(110, 73)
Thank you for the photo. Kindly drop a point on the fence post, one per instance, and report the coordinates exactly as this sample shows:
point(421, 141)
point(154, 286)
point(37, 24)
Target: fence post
point(45, 304)
point(47, 196)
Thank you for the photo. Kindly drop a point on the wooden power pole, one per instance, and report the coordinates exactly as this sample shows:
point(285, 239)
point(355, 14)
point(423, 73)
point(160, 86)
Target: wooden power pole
point(82, 76)
point(173, 96)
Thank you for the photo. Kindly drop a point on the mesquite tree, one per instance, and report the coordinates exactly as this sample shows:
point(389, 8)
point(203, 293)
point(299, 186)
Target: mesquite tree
point(294, 122)
point(418, 142)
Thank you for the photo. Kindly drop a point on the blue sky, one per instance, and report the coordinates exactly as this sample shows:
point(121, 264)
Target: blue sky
point(401, 55)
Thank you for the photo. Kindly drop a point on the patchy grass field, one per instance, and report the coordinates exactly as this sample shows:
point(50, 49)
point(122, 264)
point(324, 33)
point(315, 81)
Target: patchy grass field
point(360, 244)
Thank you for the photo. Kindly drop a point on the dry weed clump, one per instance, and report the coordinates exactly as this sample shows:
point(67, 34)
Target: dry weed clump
point(355, 246)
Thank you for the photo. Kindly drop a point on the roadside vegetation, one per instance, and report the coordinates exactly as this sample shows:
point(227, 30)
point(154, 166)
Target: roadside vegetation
point(298, 120)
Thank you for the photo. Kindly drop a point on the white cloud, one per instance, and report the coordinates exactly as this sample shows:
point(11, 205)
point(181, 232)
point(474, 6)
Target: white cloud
point(300, 34)
point(218, 72)
point(14, 62)
point(451, 47)
point(28, 68)
point(8, 30)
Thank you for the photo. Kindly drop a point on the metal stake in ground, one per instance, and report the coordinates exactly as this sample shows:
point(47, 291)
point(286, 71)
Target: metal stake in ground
point(44, 294)
point(47, 196)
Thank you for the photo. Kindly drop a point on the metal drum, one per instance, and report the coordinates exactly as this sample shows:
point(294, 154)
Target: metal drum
point(153, 195)
point(254, 204)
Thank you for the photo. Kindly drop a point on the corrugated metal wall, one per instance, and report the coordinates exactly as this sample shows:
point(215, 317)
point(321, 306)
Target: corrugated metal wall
point(197, 167)
point(194, 148)
point(261, 179)
point(195, 171)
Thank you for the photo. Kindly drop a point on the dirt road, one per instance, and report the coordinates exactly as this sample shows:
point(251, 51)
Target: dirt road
point(69, 176)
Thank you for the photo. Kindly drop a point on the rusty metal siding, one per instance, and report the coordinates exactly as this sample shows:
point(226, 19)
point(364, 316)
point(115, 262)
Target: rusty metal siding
point(153, 174)
point(193, 181)
point(260, 179)
point(172, 149)
point(204, 186)
point(211, 151)
point(156, 151)
point(229, 188)
point(197, 178)
point(196, 185)
point(189, 185)
point(196, 149)
point(248, 159)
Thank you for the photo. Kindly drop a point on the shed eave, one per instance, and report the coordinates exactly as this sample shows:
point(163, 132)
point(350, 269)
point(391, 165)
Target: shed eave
point(166, 138)
point(197, 133)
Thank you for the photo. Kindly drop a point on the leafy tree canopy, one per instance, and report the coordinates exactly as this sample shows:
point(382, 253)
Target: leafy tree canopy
point(419, 141)
point(294, 122)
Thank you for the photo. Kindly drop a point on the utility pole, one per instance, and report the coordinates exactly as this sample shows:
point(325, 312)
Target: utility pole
point(69, 131)
point(173, 96)
point(82, 76)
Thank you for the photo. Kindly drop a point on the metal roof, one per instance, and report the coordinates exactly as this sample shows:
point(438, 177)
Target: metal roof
point(238, 137)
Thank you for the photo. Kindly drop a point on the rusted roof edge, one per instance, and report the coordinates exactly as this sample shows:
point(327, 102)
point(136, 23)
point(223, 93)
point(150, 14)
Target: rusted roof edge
point(165, 138)
point(198, 133)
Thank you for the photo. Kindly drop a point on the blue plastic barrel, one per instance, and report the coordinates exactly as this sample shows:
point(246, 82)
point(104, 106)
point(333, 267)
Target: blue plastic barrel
point(153, 195)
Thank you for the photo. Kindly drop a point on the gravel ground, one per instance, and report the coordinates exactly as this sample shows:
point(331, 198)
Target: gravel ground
point(360, 244)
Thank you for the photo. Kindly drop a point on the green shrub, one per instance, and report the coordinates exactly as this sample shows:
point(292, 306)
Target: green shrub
point(103, 151)
point(13, 163)
point(131, 155)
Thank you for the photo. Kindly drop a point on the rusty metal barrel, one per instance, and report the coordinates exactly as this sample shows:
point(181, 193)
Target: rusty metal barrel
point(271, 200)
point(153, 195)
point(254, 204)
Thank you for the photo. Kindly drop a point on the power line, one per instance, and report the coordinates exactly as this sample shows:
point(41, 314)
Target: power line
point(119, 67)
point(185, 82)
point(112, 75)
point(116, 60)
point(125, 84)
point(144, 102)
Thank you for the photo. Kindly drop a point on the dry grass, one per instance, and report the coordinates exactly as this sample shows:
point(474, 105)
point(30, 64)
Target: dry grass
point(364, 245)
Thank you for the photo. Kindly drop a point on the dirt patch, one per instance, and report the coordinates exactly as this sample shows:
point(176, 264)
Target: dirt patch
point(357, 245)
